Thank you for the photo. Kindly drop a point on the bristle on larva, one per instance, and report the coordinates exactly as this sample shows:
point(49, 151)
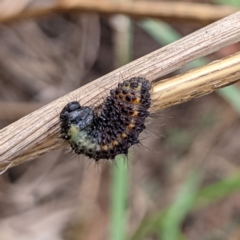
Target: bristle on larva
point(115, 129)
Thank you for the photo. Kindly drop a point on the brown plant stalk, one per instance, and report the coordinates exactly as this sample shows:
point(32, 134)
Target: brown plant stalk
point(167, 11)
point(38, 132)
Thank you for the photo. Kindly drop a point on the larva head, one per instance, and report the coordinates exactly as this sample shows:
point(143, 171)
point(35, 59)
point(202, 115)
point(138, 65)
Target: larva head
point(73, 114)
point(82, 117)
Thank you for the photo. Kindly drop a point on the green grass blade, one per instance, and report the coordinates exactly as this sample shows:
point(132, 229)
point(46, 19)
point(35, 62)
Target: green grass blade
point(234, 3)
point(149, 225)
point(217, 191)
point(167, 223)
point(119, 197)
point(164, 34)
point(176, 213)
point(232, 95)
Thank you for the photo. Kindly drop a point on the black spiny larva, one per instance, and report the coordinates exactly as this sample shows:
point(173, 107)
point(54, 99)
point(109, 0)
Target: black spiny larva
point(115, 129)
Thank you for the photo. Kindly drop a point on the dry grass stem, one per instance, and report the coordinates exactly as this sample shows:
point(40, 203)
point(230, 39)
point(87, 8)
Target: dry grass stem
point(167, 11)
point(196, 83)
point(37, 132)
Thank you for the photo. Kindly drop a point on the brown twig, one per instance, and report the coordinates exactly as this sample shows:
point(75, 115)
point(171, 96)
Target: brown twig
point(37, 132)
point(167, 11)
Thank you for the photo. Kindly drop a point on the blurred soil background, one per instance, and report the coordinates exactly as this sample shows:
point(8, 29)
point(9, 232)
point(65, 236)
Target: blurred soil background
point(64, 196)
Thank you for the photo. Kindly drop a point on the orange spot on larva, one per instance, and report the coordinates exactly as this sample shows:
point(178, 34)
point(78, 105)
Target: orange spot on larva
point(104, 147)
point(135, 113)
point(131, 126)
point(137, 101)
point(123, 135)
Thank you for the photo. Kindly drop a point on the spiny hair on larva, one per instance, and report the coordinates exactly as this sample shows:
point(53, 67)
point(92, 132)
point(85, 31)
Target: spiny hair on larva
point(115, 129)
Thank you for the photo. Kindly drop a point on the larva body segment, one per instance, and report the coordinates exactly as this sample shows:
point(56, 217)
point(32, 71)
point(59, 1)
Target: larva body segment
point(115, 129)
